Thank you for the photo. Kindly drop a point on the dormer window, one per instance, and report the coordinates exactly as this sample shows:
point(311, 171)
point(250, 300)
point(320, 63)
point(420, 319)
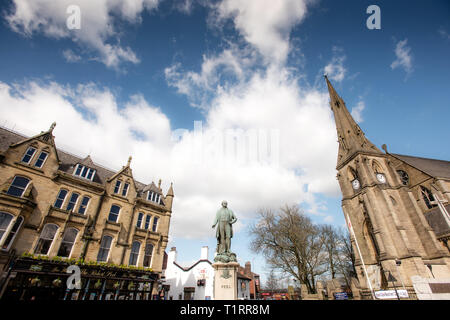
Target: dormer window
point(41, 159)
point(153, 196)
point(84, 172)
point(29, 155)
point(117, 187)
point(125, 189)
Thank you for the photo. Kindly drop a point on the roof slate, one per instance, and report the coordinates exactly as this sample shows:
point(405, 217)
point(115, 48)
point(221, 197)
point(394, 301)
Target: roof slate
point(68, 161)
point(435, 168)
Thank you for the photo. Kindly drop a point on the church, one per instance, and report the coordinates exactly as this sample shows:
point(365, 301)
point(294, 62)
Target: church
point(397, 207)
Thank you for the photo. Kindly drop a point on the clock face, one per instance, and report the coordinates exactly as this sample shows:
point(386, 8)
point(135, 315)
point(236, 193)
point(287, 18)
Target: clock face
point(381, 177)
point(356, 184)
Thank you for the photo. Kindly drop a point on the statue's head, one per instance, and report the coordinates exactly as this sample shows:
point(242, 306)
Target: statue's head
point(224, 203)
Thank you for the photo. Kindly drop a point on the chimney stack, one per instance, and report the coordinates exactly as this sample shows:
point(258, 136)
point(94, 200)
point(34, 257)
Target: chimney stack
point(204, 253)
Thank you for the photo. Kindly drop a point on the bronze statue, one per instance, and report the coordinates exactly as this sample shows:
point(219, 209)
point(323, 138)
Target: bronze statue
point(224, 232)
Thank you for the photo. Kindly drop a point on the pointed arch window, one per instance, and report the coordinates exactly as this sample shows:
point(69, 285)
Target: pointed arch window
point(428, 197)
point(46, 239)
point(404, 177)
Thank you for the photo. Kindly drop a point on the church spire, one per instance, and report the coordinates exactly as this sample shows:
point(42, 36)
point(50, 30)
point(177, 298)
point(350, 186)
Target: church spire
point(351, 137)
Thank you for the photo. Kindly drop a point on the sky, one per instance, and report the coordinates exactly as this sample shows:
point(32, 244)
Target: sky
point(226, 98)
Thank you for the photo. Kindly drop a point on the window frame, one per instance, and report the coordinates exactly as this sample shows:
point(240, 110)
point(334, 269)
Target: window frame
point(117, 186)
point(39, 159)
point(63, 200)
point(125, 188)
point(139, 219)
point(12, 185)
point(74, 203)
point(85, 206)
point(31, 156)
point(103, 248)
point(155, 224)
point(118, 213)
point(146, 255)
point(52, 240)
point(84, 172)
point(73, 243)
point(8, 225)
point(11, 240)
point(148, 218)
point(134, 255)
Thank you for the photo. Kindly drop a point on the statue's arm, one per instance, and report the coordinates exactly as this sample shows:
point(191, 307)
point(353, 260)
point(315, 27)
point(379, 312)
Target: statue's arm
point(233, 218)
point(216, 220)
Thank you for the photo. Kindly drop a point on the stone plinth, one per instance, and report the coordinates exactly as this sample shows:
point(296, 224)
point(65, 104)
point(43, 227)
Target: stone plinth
point(225, 280)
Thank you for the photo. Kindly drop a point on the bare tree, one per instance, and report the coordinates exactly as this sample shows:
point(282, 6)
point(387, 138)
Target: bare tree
point(332, 247)
point(291, 243)
point(272, 282)
point(346, 265)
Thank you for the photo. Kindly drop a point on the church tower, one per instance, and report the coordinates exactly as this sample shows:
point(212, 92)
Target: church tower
point(394, 238)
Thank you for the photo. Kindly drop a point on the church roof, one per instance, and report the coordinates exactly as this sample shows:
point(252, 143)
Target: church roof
point(432, 167)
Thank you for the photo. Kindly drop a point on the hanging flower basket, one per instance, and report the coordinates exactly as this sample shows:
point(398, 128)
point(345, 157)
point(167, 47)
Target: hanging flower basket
point(35, 282)
point(57, 282)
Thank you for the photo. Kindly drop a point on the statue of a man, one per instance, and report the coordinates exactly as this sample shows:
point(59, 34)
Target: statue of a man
point(224, 232)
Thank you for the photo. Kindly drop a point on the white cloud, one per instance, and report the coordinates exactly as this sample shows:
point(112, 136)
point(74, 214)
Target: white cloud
point(97, 31)
point(444, 34)
point(335, 69)
point(265, 24)
point(89, 120)
point(71, 56)
point(357, 111)
point(403, 57)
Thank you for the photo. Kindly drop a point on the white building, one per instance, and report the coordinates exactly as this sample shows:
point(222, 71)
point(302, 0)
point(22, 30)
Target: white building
point(243, 286)
point(190, 283)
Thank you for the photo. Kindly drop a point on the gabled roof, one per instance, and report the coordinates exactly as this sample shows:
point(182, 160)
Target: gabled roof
point(67, 160)
point(432, 167)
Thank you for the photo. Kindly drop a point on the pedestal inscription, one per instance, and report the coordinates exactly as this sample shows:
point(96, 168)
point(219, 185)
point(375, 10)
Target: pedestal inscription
point(225, 281)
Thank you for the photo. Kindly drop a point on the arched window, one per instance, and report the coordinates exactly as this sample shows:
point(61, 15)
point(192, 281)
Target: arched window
point(46, 239)
point(427, 197)
point(9, 239)
point(60, 198)
point(18, 186)
point(404, 177)
point(134, 255)
point(5, 220)
point(370, 239)
point(67, 242)
point(148, 254)
point(114, 213)
point(105, 246)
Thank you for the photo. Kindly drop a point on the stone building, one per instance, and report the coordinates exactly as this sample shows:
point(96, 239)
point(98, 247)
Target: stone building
point(57, 209)
point(395, 205)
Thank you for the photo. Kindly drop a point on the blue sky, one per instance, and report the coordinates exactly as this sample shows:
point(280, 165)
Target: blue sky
point(138, 73)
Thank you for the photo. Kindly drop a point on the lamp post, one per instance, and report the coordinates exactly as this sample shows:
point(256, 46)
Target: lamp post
point(398, 263)
point(392, 279)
